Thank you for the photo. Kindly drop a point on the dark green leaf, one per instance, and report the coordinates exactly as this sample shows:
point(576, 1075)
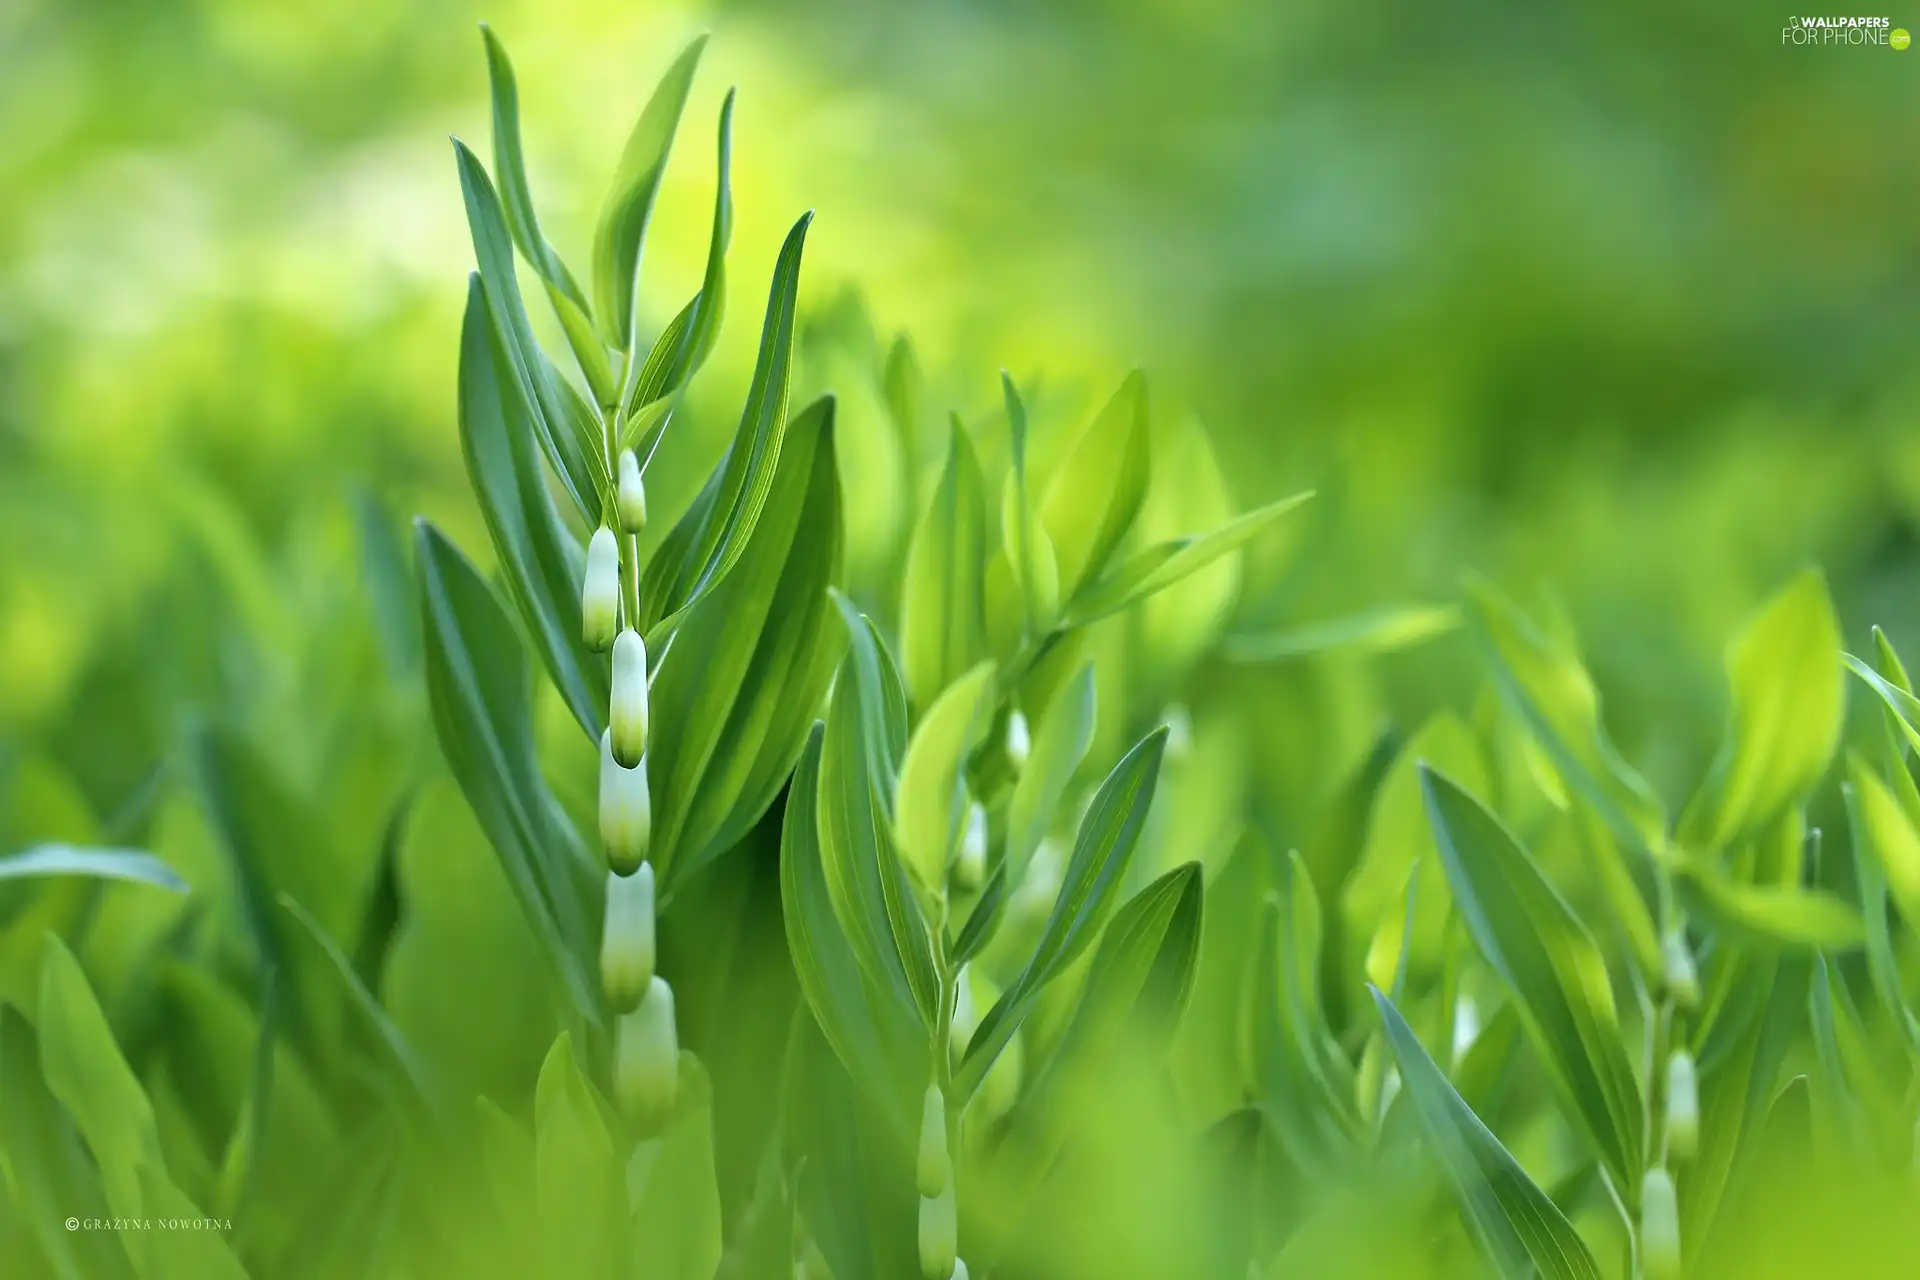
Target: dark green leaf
point(1536, 944)
point(629, 204)
point(1522, 1230)
point(747, 671)
point(712, 536)
point(1108, 835)
point(541, 562)
point(478, 684)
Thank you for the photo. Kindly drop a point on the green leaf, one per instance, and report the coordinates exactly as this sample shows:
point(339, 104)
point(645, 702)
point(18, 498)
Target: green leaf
point(516, 198)
point(541, 562)
point(1160, 566)
point(868, 886)
point(674, 1232)
point(684, 345)
point(184, 1254)
point(1886, 849)
point(51, 1176)
point(479, 687)
point(1027, 557)
point(575, 460)
point(942, 630)
point(1305, 1082)
point(577, 1173)
point(84, 1069)
point(1788, 702)
point(1522, 1231)
point(712, 536)
point(1108, 836)
point(629, 204)
point(1543, 683)
point(1384, 630)
point(748, 669)
point(1533, 940)
point(872, 1026)
point(1097, 490)
point(1064, 737)
point(930, 798)
point(1769, 915)
point(100, 864)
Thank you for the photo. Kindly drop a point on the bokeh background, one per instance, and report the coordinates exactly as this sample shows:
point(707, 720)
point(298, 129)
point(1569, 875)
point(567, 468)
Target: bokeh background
point(1614, 303)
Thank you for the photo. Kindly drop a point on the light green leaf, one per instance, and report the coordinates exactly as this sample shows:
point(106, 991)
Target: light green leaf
point(571, 457)
point(1542, 681)
point(930, 798)
point(1882, 840)
point(1097, 490)
point(1064, 737)
point(748, 669)
point(674, 1232)
point(184, 1254)
point(1027, 560)
point(1160, 566)
point(1108, 836)
point(577, 1173)
point(1533, 940)
point(1522, 1231)
point(712, 536)
point(1767, 915)
point(541, 562)
point(629, 204)
point(51, 1176)
point(100, 864)
point(1788, 702)
point(1383, 630)
point(85, 1070)
point(941, 627)
point(479, 688)
point(516, 197)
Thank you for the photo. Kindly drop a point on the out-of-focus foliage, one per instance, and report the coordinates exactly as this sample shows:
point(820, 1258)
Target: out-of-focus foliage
point(1609, 307)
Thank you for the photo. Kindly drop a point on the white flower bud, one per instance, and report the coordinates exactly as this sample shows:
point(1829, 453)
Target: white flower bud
point(932, 1170)
point(627, 940)
point(1682, 979)
point(1046, 870)
point(630, 498)
point(1019, 739)
point(1659, 1227)
point(970, 868)
point(1683, 1107)
point(646, 1066)
point(959, 1269)
point(626, 810)
point(600, 590)
point(939, 1235)
point(627, 709)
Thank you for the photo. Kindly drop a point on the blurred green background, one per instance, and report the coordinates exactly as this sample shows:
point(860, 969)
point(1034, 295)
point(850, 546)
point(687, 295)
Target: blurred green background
point(1617, 301)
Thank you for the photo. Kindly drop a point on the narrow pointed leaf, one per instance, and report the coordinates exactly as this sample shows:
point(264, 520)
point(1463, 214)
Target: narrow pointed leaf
point(101, 864)
point(930, 798)
point(942, 630)
point(1097, 491)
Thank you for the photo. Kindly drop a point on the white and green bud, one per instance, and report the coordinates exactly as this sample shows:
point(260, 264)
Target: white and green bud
point(1681, 978)
point(1019, 739)
point(970, 868)
point(1683, 1106)
point(627, 708)
point(646, 1056)
point(626, 810)
point(959, 1269)
point(627, 940)
point(939, 1235)
point(600, 590)
point(933, 1170)
point(630, 495)
point(1659, 1227)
